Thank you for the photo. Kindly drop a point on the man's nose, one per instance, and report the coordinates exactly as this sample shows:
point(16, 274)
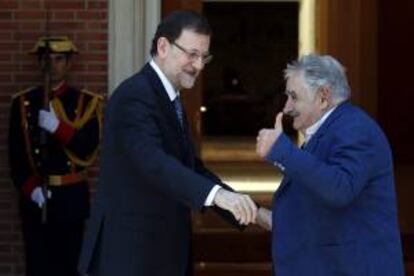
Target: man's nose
point(288, 106)
point(198, 63)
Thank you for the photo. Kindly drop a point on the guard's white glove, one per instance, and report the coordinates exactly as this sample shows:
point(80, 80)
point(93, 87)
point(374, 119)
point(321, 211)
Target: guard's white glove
point(38, 197)
point(48, 120)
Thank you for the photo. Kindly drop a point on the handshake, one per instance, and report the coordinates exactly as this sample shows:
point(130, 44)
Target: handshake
point(243, 208)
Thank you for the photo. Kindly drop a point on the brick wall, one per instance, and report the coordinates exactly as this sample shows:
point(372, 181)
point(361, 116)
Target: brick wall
point(21, 23)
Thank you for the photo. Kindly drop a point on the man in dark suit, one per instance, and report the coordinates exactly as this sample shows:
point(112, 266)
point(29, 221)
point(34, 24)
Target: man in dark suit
point(150, 177)
point(52, 142)
point(335, 211)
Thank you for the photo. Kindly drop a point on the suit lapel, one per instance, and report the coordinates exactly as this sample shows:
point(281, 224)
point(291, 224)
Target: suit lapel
point(167, 107)
point(310, 146)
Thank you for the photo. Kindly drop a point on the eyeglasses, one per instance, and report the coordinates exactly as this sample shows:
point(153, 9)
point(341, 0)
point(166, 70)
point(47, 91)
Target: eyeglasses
point(193, 55)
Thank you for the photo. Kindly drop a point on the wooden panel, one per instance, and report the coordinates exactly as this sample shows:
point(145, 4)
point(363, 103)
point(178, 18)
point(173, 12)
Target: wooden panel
point(171, 5)
point(347, 30)
point(408, 245)
point(396, 95)
point(232, 247)
point(213, 269)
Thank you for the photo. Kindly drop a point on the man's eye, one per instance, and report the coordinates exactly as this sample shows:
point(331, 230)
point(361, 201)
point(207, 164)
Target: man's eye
point(194, 55)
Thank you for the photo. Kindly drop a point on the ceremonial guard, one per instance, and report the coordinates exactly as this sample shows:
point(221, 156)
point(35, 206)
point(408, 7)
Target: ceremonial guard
point(54, 134)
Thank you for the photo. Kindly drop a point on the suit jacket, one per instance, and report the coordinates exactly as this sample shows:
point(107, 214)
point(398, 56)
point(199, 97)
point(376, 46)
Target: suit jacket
point(335, 211)
point(150, 179)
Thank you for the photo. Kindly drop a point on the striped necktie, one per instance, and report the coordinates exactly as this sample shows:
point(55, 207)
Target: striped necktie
point(179, 110)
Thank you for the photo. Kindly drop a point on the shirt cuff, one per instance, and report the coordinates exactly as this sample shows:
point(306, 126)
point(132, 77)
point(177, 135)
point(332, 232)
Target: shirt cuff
point(212, 195)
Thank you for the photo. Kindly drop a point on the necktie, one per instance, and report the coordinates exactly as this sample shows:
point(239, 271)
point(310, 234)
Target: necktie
point(179, 110)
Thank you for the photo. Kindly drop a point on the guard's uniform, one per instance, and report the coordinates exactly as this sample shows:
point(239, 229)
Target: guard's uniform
point(52, 248)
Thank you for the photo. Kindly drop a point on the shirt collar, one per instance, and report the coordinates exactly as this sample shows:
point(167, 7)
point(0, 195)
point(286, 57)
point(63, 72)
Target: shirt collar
point(60, 89)
point(172, 93)
point(310, 131)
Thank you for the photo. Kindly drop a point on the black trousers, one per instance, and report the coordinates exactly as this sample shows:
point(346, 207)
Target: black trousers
point(52, 248)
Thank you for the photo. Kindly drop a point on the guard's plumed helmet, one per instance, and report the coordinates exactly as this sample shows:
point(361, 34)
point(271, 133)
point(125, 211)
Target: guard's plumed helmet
point(56, 44)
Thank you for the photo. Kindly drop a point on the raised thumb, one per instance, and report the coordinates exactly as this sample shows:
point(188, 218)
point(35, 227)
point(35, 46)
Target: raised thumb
point(278, 121)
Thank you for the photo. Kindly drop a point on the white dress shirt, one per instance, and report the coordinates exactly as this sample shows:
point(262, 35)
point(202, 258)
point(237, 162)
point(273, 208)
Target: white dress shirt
point(310, 131)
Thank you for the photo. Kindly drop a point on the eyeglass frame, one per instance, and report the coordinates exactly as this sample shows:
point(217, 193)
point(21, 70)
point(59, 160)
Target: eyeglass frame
point(194, 56)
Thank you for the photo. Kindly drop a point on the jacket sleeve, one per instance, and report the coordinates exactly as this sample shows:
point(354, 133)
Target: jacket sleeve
point(23, 175)
point(133, 124)
point(338, 178)
point(224, 214)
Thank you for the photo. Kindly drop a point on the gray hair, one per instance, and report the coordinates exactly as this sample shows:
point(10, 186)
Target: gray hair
point(321, 71)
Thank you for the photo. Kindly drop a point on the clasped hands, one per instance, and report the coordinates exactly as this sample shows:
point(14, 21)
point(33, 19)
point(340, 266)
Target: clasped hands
point(243, 208)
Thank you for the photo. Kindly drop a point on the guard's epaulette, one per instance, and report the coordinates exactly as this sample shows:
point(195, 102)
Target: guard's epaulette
point(93, 94)
point(22, 92)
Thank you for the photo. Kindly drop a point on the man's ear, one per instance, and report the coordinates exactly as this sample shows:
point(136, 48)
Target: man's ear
point(325, 96)
point(163, 46)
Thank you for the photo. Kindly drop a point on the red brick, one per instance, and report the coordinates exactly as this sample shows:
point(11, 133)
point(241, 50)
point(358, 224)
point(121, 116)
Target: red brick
point(6, 15)
point(91, 15)
point(93, 78)
point(8, 46)
point(5, 78)
point(8, 5)
point(92, 36)
point(97, 5)
point(26, 77)
point(7, 258)
point(6, 35)
point(31, 25)
point(68, 25)
point(79, 67)
point(30, 4)
point(30, 15)
point(28, 36)
point(97, 25)
point(5, 57)
point(99, 46)
point(7, 25)
point(9, 67)
point(62, 15)
point(31, 67)
point(5, 268)
point(66, 5)
point(7, 87)
point(97, 67)
point(101, 89)
point(93, 57)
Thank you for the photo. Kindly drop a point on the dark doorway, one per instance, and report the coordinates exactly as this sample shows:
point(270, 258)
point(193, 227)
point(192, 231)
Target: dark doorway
point(251, 44)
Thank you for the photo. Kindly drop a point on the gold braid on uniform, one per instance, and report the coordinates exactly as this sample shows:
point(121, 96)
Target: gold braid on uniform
point(94, 106)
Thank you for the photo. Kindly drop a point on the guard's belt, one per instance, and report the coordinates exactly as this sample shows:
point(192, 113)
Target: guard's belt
point(67, 179)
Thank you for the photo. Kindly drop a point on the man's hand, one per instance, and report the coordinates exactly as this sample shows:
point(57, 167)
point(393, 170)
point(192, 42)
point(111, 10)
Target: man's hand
point(38, 196)
point(267, 137)
point(264, 218)
point(48, 120)
point(241, 206)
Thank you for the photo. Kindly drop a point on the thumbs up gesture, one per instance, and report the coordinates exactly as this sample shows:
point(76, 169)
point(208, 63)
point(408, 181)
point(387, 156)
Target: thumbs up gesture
point(268, 136)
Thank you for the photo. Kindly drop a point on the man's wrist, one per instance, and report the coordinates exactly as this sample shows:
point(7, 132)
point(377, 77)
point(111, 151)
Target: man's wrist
point(210, 198)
